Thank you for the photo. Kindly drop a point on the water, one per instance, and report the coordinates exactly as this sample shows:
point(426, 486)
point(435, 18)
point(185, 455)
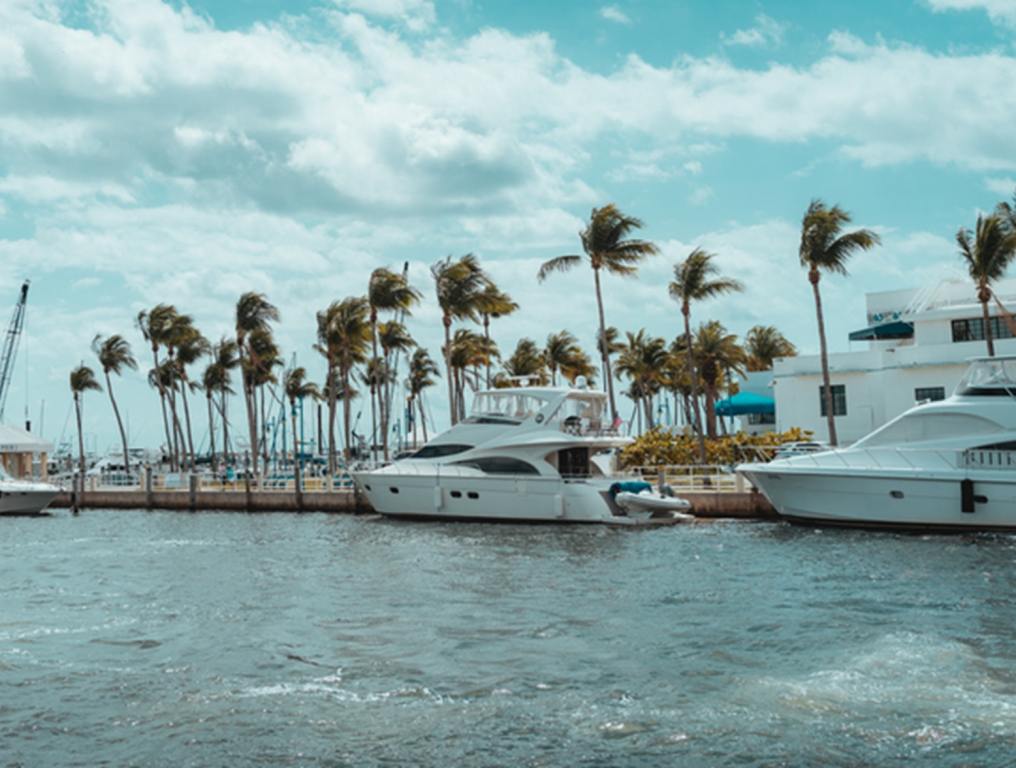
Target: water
point(158, 639)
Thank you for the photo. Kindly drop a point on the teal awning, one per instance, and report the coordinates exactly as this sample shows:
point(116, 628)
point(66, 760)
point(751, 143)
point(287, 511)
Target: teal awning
point(744, 403)
point(898, 329)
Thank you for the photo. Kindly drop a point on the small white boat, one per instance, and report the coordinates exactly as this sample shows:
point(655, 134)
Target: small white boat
point(24, 497)
point(655, 504)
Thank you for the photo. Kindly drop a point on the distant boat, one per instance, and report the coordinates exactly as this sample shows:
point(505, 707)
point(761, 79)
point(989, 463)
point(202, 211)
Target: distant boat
point(523, 454)
point(24, 497)
point(948, 464)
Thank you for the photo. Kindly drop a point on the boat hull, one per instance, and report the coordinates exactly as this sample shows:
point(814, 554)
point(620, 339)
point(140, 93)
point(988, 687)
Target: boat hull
point(511, 499)
point(901, 499)
point(26, 501)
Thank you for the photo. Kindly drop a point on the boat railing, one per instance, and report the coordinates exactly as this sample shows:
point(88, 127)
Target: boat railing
point(693, 478)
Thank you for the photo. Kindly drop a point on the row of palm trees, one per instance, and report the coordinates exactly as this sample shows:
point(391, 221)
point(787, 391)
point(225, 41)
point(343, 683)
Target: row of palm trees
point(362, 337)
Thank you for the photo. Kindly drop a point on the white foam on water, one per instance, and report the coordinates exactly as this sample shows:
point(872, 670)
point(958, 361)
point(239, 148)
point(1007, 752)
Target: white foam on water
point(924, 687)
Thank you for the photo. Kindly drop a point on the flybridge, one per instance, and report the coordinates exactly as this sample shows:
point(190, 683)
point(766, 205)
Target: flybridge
point(10, 347)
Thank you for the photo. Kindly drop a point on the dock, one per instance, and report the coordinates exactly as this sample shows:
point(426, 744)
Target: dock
point(747, 505)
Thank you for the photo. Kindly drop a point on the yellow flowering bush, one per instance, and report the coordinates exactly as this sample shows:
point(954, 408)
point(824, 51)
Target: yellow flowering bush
point(659, 446)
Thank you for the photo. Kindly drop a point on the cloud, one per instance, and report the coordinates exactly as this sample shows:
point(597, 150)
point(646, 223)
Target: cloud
point(1004, 186)
point(999, 11)
point(767, 33)
point(614, 14)
point(416, 15)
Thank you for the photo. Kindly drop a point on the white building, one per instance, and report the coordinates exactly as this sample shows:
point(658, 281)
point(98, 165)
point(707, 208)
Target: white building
point(918, 343)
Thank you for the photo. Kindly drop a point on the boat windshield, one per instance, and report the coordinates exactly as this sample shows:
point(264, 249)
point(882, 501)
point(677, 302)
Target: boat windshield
point(507, 407)
point(993, 377)
point(581, 413)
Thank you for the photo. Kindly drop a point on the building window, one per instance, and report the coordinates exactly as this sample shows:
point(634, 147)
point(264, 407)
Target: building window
point(756, 419)
point(929, 393)
point(972, 329)
point(839, 400)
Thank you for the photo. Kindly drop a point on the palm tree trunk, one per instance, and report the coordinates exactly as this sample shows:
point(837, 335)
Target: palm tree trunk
point(448, 367)
point(345, 412)
point(603, 348)
point(225, 428)
point(373, 382)
point(119, 424)
point(813, 277)
point(486, 336)
point(710, 396)
point(162, 402)
point(211, 431)
point(186, 415)
point(81, 441)
point(330, 374)
point(987, 319)
point(296, 458)
point(693, 376)
point(249, 404)
point(647, 405)
point(423, 419)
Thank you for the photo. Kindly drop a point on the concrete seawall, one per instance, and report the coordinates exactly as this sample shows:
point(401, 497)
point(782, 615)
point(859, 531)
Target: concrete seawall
point(236, 501)
point(744, 506)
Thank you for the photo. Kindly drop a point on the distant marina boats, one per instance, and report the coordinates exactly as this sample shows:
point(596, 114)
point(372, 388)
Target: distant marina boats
point(948, 464)
point(523, 454)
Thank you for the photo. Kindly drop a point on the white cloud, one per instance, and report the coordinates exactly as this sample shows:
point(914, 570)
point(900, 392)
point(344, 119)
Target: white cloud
point(767, 33)
point(614, 14)
point(701, 195)
point(1004, 186)
point(416, 15)
point(999, 11)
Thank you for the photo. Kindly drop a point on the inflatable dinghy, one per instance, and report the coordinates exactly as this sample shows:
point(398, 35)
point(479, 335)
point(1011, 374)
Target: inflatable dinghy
point(654, 504)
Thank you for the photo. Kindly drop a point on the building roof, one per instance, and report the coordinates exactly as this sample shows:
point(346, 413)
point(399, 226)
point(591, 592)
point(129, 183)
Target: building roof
point(16, 440)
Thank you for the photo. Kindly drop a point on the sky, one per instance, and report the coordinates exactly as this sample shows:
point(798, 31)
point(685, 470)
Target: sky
point(187, 152)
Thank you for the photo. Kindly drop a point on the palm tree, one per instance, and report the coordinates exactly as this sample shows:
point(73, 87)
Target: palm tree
point(82, 380)
point(824, 249)
point(394, 340)
point(216, 381)
point(987, 254)
point(607, 246)
point(642, 360)
point(190, 346)
point(297, 388)
point(716, 353)
point(422, 369)
point(763, 344)
point(154, 325)
point(263, 358)
point(459, 285)
point(494, 303)
point(468, 350)
point(253, 312)
point(114, 355)
point(343, 338)
point(696, 279)
point(387, 291)
point(560, 350)
point(527, 360)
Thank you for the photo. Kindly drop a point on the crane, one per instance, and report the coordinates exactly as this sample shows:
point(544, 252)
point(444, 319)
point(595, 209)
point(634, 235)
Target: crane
point(10, 348)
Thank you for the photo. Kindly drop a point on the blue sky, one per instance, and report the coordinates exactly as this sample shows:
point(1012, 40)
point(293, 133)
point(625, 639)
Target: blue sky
point(155, 151)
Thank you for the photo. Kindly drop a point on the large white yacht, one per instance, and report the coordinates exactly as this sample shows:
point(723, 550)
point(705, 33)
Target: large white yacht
point(523, 454)
point(949, 464)
point(24, 497)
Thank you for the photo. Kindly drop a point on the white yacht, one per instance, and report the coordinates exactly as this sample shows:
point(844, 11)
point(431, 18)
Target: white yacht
point(523, 454)
point(947, 465)
point(24, 497)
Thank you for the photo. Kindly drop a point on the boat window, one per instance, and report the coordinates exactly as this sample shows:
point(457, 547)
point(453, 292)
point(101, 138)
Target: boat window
point(995, 377)
point(437, 451)
point(504, 407)
point(917, 427)
point(500, 465)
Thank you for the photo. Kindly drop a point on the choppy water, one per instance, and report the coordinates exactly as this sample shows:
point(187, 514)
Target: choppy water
point(150, 639)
